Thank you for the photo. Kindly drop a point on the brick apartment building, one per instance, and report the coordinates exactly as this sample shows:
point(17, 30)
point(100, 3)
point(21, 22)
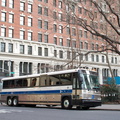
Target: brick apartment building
point(35, 38)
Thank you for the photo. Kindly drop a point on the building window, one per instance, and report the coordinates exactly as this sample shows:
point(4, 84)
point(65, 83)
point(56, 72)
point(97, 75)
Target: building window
point(103, 59)
point(46, 11)
point(115, 72)
point(29, 22)
point(60, 29)
point(112, 59)
point(46, 38)
point(29, 50)
point(11, 18)
point(73, 31)
point(54, 15)
point(85, 34)
point(40, 10)
point(68, 43)
point(74, 44)
point(2, 47)
point(92, 46)
point(39, 23)
point(22, 20)
point(68, 30)
point(86, 45)
point(22, 35)
point(74, 55)
point(97, 46)
point(81, 45)
point(3, 2)
point(54, 28)
point(61, 41)
point(10, 48)
point(3, 32)
point(46, 51)
point(22, 6)
point(60, 16)
point(86, 57)
point(55, 40)
point(3, 16)
point(73, 20)
point(80, 33)
point(60, 4)
point(40, 51)
point(80, 10)
point(55, 53)
point(54, 3)
point(11, 3)
point(30, 68)
point(68, 18)
point(25, 68)
point(46, 25)
point(115, 60)
point(68, 54)
point(39, 37)
point(29, 8)
point(1, 65)
point(73, 8)
point(29, 35)
point(97, 58)
point(11, 33)
point(61, 54)
point(21, 49)
point(46, 1)
point(92, 58)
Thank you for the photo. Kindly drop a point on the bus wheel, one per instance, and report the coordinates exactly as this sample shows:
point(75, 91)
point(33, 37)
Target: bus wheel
point(66, 104)
point(9, 101)
point(15, 101)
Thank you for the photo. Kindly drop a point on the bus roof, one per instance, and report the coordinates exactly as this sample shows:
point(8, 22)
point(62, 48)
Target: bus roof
point(40, 74)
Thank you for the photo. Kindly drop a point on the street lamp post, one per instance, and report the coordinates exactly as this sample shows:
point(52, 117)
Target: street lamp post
point(9, 67)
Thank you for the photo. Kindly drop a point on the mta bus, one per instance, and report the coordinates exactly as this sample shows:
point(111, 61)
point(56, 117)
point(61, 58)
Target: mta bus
point(67, 88)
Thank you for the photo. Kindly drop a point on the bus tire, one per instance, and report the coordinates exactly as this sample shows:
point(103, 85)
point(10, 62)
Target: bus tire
point(9, 101)
point(15, 101)
point(66, 104)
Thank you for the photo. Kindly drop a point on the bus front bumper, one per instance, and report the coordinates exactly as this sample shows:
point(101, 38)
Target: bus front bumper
point(86, 102)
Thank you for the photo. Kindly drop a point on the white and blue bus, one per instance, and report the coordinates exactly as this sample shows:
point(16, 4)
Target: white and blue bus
point(76, 87)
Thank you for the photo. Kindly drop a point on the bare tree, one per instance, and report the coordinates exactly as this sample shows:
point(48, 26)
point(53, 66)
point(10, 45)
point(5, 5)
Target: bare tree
point(103, 15)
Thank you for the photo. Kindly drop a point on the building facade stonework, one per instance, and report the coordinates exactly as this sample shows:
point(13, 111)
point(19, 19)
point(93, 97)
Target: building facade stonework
point(35, 38)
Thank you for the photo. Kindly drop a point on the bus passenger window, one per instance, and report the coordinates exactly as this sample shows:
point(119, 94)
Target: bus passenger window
point(25, 83)
point(5, 84)
point(43, 80)
point(33, 83)
point(19, 83)
point(37, 81)
point(54, 80)
point(65, 79)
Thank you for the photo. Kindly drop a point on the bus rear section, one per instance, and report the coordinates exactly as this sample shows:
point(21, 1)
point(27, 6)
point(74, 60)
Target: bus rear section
point(67, 88)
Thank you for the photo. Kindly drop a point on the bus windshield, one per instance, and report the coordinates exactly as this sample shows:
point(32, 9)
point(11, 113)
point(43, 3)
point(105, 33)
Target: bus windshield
point(90, 81)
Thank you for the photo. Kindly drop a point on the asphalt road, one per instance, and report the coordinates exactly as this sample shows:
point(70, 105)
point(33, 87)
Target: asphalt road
point(44, 113)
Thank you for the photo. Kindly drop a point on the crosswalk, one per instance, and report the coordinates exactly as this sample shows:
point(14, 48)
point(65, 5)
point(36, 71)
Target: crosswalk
point(2, 111)
point(9, 111)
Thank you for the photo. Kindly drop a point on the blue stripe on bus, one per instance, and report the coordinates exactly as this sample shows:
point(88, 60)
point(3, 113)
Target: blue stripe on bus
point(38, 92)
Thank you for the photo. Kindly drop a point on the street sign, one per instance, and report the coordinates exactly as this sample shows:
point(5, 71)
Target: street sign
point(12, 72)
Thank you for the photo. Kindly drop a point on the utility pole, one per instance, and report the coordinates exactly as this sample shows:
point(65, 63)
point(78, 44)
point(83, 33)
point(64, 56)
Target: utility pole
point(9, 67)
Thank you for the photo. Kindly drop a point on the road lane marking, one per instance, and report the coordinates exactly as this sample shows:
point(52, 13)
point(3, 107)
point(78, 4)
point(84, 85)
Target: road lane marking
point(13, 111)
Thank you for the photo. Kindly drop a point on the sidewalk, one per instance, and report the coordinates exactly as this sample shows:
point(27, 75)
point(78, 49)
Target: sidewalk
point(113, 107)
